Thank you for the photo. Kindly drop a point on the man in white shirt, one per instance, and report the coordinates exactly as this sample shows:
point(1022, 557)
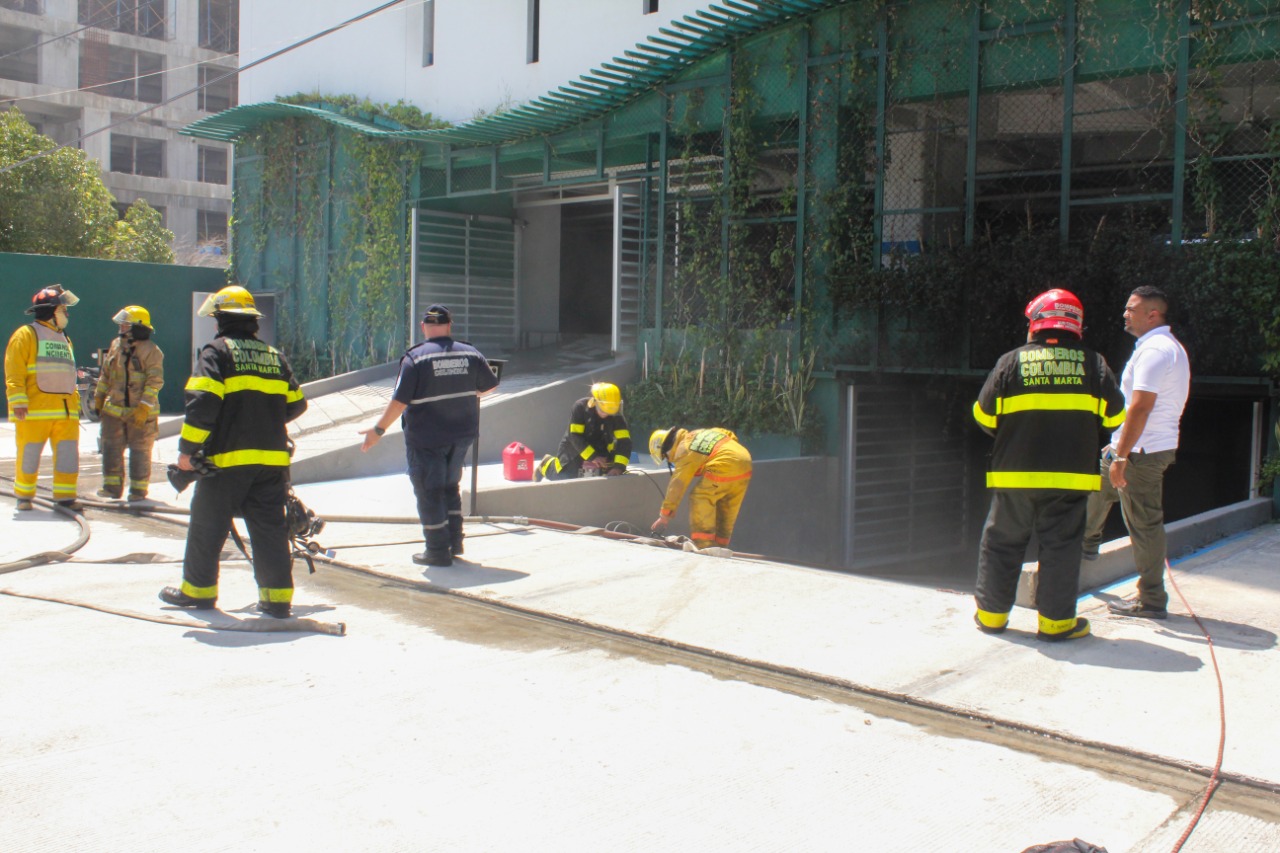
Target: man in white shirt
point(1155, 383)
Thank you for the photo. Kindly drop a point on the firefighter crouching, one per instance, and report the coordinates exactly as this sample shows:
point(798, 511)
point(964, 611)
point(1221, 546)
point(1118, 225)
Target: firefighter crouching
point(597, 436)
point(40, 383)
point(1047, 404)
point(725, 468)
point(127, 400)
point(238, 400)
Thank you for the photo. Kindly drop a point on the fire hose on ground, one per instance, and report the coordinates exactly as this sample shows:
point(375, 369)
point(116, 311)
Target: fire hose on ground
point(295, 624)
point(310, 551)
point(317, 552)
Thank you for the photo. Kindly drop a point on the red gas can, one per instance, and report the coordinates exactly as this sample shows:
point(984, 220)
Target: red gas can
point(517, 462)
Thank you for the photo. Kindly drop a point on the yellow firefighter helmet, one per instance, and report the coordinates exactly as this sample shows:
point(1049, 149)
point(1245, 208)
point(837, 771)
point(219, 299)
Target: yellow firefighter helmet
point(608, 398)
point(232, 299)
point(133, 315)
point(661, 442)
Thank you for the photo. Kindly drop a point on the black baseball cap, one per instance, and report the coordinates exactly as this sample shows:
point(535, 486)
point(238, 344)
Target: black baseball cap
point(437, 315)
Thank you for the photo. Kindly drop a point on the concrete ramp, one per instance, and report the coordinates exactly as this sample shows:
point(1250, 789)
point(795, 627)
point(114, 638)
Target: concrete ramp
point(531, 405)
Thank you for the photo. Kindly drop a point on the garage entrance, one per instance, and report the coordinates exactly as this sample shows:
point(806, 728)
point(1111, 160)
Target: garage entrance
point(582, 256)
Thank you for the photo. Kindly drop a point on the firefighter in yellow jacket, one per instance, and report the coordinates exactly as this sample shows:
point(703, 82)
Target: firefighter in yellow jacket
point(40, 382)
point(724, 466)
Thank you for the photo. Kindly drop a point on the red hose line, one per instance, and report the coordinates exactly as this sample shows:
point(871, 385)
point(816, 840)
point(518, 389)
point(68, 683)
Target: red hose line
point(1222, 716)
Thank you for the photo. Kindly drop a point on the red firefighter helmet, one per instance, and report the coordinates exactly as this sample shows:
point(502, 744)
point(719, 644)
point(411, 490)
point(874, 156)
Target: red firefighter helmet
point(53, 296)
point(1056, 309)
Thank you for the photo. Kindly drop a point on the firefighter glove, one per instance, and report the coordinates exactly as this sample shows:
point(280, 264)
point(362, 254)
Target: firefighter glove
point(200, 467)
point(140, 414)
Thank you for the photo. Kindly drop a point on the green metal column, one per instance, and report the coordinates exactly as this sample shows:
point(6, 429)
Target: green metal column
point(660, 270)
point(882, 145)
point(1068, 112)
point(802, 118)
point(882, 100)
point(726, 143)
point(971, 148)
point(1180, 121)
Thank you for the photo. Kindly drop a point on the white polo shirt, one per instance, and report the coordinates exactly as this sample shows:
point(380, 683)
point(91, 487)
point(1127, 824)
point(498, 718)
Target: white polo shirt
point(1159, 364)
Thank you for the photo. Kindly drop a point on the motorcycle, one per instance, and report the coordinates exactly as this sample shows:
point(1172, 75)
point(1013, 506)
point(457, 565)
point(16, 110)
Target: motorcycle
point(86, 384)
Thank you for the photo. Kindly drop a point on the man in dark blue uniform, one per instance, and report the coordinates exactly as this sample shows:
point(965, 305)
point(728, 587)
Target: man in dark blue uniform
point(437, 398)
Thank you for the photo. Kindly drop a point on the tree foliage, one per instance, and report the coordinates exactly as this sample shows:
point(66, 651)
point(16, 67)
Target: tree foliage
point(58, 205)
point(141, 236)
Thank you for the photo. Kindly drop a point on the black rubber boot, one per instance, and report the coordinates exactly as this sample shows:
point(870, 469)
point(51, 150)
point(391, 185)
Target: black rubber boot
point(178, 598)
point(433, 558)
point(278, 609)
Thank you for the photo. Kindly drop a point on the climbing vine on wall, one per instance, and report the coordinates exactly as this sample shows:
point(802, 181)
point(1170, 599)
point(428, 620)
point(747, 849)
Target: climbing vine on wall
point(329, 225)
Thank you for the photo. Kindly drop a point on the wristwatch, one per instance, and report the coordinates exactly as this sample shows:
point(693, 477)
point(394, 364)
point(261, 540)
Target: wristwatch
point(379, 431)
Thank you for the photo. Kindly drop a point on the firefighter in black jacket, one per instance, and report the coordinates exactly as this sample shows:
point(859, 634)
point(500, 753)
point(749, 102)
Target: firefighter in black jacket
point(238, 400)
point(597, 435)
point(1047, 403)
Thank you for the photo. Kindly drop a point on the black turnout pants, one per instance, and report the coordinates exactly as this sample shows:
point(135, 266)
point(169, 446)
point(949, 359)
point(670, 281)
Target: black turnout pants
point(258, 494)
point(1057, 519)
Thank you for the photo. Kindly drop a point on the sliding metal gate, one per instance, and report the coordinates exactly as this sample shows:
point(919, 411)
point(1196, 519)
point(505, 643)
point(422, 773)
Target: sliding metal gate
point(906, 475)
point(630, 258)
point(467, 263)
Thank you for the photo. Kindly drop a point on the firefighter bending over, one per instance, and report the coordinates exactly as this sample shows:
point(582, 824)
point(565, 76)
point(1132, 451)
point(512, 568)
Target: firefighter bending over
point(40, 382)
point(127, 400)
point(597, 438)
point(725, 468)
point(238, 400)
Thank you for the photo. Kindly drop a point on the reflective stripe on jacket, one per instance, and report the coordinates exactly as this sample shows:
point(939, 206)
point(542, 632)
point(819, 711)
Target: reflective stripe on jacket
point(592, 433)
point(132, 375)
point(439, 383)
point(713, 454)
point(23, 387)
point(1048, 406)
point(238, 400)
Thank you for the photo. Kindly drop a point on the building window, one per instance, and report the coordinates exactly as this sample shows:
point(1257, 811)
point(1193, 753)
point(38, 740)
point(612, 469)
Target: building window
point(211, 166)
point(18, 56)
point(220, 25)
point(428, 33)
point(31, 7)
point(216, 95)
point(137, 17)
point(122, 210)
point(211, 227)
point(133, 155)
point(649, 6)
point(119, 72)
point(531, 40)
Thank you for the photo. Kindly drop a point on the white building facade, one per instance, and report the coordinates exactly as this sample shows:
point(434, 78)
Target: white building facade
point(79, 69)
point(453, 58)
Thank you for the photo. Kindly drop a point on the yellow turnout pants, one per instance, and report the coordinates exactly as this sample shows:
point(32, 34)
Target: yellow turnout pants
point(63, 434)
